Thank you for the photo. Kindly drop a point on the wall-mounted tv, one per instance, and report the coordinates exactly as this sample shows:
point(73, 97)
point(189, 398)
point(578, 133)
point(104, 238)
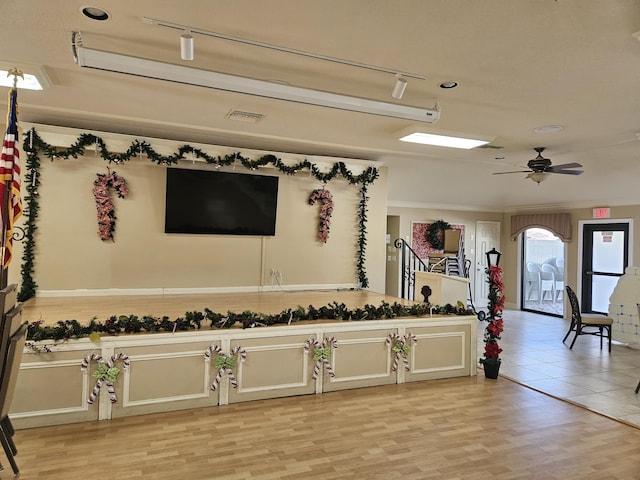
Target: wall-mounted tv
point(211, 202)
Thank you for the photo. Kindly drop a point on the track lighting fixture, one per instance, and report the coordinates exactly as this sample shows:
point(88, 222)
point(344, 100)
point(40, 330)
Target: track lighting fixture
point(115, 62)
point(186, 45)
point(399, 88)
point(186, 39)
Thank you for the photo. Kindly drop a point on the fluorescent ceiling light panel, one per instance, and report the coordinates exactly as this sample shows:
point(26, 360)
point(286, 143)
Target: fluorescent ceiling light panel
point(443, 140)
point(118, 63)
point(37, 81)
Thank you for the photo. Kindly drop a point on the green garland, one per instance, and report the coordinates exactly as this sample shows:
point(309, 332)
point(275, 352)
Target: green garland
point(435, 234)
point(34, 144)
point(123, 324)
point(31, 210)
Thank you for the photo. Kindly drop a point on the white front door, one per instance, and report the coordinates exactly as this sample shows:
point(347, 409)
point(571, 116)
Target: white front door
point(487, 237)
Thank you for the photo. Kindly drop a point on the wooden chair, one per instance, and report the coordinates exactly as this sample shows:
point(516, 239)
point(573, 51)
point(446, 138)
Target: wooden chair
point(7, 388)
point(589, 324)
point(10, 321)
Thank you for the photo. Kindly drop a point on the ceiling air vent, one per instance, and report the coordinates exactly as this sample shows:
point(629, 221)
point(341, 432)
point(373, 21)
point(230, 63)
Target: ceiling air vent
point(491, 147)
point(246, 117)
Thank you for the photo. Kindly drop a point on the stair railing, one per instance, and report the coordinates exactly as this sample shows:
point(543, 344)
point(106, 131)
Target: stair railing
point(410, 262)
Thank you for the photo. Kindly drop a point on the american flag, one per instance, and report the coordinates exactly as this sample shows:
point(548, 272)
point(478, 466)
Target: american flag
point(10, 176)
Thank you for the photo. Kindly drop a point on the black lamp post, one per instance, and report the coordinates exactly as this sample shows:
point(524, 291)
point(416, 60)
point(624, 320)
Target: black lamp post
point(493, 257)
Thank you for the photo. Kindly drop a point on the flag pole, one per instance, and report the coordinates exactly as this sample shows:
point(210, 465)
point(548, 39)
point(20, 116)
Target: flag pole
point(6, 203)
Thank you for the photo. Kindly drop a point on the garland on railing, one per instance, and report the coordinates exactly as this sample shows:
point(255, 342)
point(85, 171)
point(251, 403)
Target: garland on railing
point(34, 144)
point(130, 324)
point(104, 203)
point(326, 210)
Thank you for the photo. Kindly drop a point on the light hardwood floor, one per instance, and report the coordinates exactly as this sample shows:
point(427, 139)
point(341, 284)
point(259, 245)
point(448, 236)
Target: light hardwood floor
point(465, 428)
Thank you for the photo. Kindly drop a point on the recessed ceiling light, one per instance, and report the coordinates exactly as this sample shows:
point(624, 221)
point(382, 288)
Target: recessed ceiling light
point(441, 139)
point(548, 129)
point(95, 13)
point(448, 85)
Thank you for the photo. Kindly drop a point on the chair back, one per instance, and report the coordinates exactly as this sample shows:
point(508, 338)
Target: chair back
point(533, 267)
point(9, 324)
point(575, 306)
point(452, 239)
point(11, 369)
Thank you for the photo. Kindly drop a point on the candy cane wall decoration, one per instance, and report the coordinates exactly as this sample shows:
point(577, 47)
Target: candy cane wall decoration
point(104, 203)
point(326, 210)
point(106, 373)
point(224, 363)
point(401, 346)
point(321, 354)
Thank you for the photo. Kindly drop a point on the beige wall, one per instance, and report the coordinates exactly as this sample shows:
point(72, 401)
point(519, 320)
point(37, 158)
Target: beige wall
point(71, 256)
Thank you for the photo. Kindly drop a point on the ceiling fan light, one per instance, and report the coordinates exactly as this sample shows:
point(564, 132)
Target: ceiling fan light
point(538, 177)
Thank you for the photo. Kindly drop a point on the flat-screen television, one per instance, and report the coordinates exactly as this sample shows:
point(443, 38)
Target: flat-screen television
point(211, 202)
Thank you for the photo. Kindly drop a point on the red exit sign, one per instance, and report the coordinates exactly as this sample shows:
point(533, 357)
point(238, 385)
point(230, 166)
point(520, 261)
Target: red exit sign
point(601, 212)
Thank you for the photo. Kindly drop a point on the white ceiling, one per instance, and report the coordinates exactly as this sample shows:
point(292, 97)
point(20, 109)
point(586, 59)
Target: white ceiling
point(520, 64)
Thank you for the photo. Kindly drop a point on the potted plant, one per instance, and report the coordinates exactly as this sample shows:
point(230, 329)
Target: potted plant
point(491, 360)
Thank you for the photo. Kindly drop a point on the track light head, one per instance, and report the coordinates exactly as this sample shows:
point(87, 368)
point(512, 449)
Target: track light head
point(399, 88)
point(186, 46)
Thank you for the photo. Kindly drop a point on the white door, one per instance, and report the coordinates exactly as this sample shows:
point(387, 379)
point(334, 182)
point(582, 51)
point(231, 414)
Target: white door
point(487, 237)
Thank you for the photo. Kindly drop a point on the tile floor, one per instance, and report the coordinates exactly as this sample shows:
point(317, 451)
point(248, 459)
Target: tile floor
point(548, 306)
point(534, 355)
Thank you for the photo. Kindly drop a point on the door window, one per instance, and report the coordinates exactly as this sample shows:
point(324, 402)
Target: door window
point(605, 255)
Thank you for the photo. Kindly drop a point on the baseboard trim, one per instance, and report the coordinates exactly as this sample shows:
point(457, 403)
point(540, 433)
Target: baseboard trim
point(114, 292)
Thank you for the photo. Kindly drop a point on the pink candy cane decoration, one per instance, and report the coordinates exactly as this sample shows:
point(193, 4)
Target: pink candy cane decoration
point(224, 363)
point(87, 360)
point(110, 364)
point(104, 380)
point(400, 346)
point(84, 367)
point(321, 354)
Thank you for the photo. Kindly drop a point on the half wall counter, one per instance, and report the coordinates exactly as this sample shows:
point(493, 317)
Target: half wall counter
point(146, 373)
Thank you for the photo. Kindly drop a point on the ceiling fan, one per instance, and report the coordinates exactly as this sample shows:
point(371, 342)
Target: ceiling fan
point(540, 168)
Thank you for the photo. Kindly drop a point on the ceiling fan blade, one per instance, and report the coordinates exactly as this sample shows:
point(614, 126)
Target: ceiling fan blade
point(566, 172)
point(565, 166)
point(517, 171)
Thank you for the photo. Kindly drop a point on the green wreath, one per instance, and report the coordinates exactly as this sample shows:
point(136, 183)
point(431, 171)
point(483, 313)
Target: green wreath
point(435, 234)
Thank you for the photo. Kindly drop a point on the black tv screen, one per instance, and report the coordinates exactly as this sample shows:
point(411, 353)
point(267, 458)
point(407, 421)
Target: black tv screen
point(210, 202)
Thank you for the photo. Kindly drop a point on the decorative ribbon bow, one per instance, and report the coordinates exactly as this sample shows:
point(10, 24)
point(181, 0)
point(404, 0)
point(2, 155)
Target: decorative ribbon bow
point(401, 346)
point(224, 363)
point(321, 354)
point(106, 373)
